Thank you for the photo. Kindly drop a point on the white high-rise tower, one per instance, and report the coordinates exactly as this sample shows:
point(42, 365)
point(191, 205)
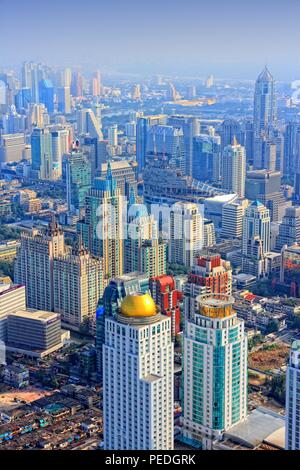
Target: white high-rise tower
point(138, 377)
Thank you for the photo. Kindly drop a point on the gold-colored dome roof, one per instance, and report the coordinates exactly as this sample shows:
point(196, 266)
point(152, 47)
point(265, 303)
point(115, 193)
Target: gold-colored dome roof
point(138, 305)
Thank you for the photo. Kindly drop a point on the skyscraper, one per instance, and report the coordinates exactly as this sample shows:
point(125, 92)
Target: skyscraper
point(256, 239)
point(215, 370)
point(103, 227)
point(289, 229)
point(265, 107)
point(63, 100)
point(87, 123)
point(292, 413)
point(234, 169)
point(142, 126)
point(190, 128)
point(186, 233)
point(232, 219)
point(46, 94)
point(138, 407)
point(206, 157)
point(34, 265)
point(168, 142)
point(78, 181)
point(41, 153)
point(77, 286)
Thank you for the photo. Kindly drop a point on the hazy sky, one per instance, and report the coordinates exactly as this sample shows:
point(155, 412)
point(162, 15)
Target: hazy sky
point(229, 38)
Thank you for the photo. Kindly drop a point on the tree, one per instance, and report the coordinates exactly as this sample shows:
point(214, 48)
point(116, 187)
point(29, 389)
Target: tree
point(273, 326)
point(277, 388)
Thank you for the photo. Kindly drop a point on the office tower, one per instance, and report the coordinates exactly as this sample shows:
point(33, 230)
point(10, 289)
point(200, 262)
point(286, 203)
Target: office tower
point(142, 126)
point(215, 370)
point(168, 142)
point(63, 100)
point(60, 146)
point(265, 186)
point(265, 106)
point(209, 234)
point(76, 85)
point(11, 148)
point(65, 78)
point(234, 169)
point(292, 414)
point(41, 153)
point(113, 135)
point(248, 140)
point(88, 124)
point(265, 151)
point(33, 330)
point(46, 94)
point(103, 227)
point(34, 265)
point(230, 132)
point(78, 181)
point(138, 408)
point(256, 223)
point(206, 157)
point(12, 122)
point(289, 229)
point(186, 233)
point(78, 285)
point(291, 139)
point(232, 219)
point(12, 298)
point(38, 116)
point(167, 298)
point(256, 239)
point(190, 128)
point(277, 139)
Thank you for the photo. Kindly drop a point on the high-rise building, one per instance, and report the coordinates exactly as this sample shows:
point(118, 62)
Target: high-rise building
point(76, 84)
point(289, 229)
point(12, 298)
point(265, 186)
point(215, 370)
point(265, 106)
point(34, 265)
point(78, 180)
point(256, 223)
point(142, 126)
point(41, 153)
point(46, 94)
point(63, 100)
point(209, 233)
point(290, 270)
point(234, 169)
point(138, 349)
point(256, 239)
point(292, 412)
point(124, 173)
point(167, 141)
point(87, 123)
point(190, 128)
point(265, 153)
point(168, 299)
point(232, 219)
point(77, 285)
point(11, 148)
point(186, 233)
point(206, 157)
point(231, 132)
point(143, 251)
point(103, 228)
point(113, 135)
point(60, 146)
point(291, 139)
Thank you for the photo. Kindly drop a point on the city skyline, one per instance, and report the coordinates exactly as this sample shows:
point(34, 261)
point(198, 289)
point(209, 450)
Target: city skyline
point(191, 39)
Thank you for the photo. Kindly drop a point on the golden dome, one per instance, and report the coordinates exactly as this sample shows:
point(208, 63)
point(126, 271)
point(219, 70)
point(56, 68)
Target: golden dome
point(138, 305)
